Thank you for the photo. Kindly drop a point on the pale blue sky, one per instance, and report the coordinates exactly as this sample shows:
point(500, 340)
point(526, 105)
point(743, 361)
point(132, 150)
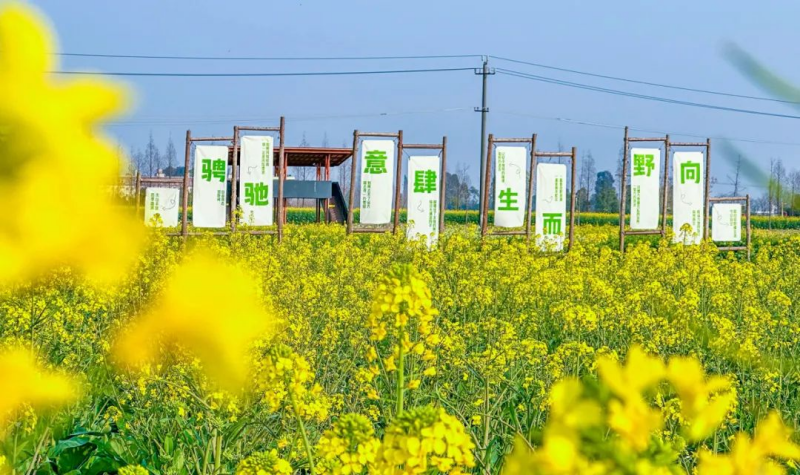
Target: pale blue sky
point(676, 42)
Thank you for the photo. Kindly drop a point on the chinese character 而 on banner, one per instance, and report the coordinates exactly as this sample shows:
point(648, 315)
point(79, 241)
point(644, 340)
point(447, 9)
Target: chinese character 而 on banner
point(551, 205)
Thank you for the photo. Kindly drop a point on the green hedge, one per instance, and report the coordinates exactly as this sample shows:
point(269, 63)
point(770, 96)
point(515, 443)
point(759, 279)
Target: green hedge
point(307, 215)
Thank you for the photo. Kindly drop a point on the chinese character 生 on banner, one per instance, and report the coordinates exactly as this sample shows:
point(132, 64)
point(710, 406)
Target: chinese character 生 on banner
point(510, 189)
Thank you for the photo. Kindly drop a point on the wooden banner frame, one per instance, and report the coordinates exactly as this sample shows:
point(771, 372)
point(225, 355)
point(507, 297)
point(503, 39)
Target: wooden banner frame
point(442, 177)
point(623, 201)
point(282, 167)
point(234, 181)
point(355, 166)
point(143, 181)
point(668, 146)
point(488, 174)
point(748, 232)
point(531, 186)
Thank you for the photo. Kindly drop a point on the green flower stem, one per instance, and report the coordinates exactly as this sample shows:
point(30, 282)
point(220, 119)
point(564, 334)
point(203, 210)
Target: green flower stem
point(302, 426)
point(401, 370)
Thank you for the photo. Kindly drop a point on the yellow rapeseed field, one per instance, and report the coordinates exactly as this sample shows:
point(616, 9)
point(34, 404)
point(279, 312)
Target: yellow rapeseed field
point(132, 352)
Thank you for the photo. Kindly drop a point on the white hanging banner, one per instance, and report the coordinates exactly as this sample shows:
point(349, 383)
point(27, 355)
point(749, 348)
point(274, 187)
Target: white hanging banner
point(163, 202)
point(377, 175)
point(726, 222)
point(210, 190)
point(255, 180)
point(688, 201)
point(510, 197)
point(551, 205)
point(645, 177)
point(423, 198)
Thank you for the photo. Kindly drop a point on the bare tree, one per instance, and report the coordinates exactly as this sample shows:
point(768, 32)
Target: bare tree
point(125, 161)
point(794, 181)
point(618, 173)
point(137, 159)
point(171, 156)
point(761, 204)
point(463, 192)
point(344, 176)
point(586, 181)
point(771, 190)
point(302, 173)
point(780, 180)
point(735, 180)
point(152, 156)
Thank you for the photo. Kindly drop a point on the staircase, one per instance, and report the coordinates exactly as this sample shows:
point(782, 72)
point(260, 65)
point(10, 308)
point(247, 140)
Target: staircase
point(338, 212)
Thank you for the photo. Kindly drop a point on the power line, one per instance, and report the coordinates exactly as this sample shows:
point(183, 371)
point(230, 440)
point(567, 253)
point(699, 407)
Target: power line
point(649, 131)
point(421, 57)
point(618, 92)
point(410, 57)
point(290, 74)
point(646, 83)
point(234, 120)
point(740, 184)
point(267, 58)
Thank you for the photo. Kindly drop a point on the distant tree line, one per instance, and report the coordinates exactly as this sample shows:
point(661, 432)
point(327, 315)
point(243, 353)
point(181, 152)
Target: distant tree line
point(150, 161)
point(596, 191)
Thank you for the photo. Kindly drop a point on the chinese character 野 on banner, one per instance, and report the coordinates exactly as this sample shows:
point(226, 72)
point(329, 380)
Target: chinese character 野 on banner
point(551, 205)
point(423, 197)
point(645, 186)
point(163, 202)
point(510, 189)
point(377, 181)
point(256, 180)
point(210, 187)
point(688, 197)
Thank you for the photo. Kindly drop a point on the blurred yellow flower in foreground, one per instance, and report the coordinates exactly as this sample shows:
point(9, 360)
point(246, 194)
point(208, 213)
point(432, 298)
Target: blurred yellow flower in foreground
point(705, 400)
point(749, 456)
point(24, 382)
point(208, 307)
point(55, 168)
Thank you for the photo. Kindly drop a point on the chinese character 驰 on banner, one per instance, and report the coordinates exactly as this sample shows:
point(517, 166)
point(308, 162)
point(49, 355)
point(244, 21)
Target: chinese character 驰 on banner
point(256, 179)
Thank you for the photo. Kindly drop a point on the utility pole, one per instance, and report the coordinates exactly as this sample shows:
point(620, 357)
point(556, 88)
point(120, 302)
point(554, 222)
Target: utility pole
point(485, 71)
